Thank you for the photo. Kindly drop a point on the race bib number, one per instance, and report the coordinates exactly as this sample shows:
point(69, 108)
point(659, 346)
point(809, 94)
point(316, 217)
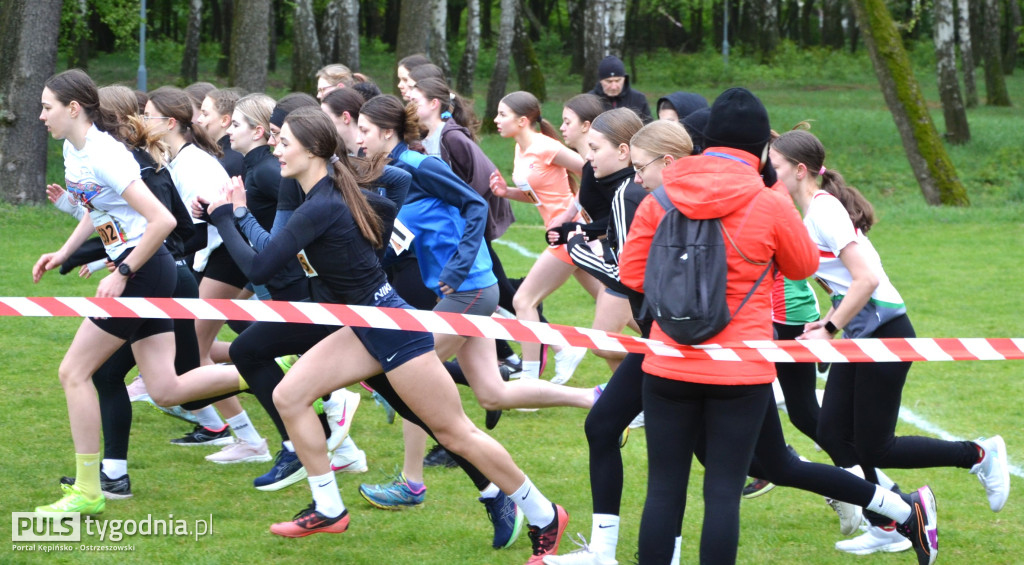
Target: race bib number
point(306, 265)
point(110, 233)
point(401, 238)
point(528, 191)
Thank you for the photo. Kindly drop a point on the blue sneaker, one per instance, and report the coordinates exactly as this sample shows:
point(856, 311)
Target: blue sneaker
point(388, 410)
point(506, 517)
point(392, 496)
point(287, 471)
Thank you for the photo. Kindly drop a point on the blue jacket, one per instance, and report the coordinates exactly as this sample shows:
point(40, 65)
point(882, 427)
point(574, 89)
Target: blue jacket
point(448, 219)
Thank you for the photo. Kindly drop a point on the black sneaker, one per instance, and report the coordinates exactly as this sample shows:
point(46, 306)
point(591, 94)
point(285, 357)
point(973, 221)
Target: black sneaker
point(757, 487)
point(205, 436)
point(922, 528)
point(438, 457)
point(112, 488)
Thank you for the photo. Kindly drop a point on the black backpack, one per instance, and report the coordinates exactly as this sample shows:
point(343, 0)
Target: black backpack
point(685, 279)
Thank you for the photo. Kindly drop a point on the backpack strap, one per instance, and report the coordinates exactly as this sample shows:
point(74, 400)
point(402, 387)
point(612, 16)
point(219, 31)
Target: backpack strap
point(662, 197)
point(753, 288)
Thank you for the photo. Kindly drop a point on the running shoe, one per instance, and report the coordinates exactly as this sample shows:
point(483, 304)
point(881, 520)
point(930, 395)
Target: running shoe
point(205, 436)
point(75, 501)
point(339, 415)
point(112, 488)
point(876, 539)
point(176, 412)
point(850, 515)
point(137, 390)
point(285, 362)
point(637, 422)
point(342, 461)
point(583, 555)
point(922, 528)
point(241, 452)
point(389, 412)
point(513, 366)
point(308, 522)
point(439, 457)
point(545, 540)
point(394, 495)
point(506, 517)
point(993, 472)
point(566, 362)
point(757, 487)
point(287, 471)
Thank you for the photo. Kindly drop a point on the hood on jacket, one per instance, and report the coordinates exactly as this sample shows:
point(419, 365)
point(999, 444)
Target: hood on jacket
point(684, 103)
point(715, 184)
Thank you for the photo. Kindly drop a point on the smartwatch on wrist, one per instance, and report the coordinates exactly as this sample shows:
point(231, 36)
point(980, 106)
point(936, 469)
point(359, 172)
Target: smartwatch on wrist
point(240, 212)
point(125, 270)
point(831, 328)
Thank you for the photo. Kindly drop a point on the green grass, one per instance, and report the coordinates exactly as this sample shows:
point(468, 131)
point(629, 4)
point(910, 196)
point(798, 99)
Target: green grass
point(956, 268)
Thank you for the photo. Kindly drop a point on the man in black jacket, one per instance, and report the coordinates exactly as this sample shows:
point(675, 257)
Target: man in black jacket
point(614, 90)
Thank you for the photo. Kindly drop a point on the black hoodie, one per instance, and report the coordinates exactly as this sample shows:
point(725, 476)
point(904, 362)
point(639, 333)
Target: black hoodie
point(628, 98)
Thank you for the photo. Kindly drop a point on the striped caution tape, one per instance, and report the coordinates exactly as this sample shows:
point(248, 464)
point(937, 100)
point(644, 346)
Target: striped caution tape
point(785, 351)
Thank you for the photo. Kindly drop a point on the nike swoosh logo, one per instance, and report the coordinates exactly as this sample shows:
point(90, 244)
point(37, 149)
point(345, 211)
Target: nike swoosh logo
point(344, 413)
point(323, 485)
point(527, 493)
point(345, 466)
point(88, 463)
point(393, 355)
point(603, 527)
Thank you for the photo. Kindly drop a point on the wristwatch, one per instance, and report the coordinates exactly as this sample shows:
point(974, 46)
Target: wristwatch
point(125, 270)
point(240, 212)
point(831, 328)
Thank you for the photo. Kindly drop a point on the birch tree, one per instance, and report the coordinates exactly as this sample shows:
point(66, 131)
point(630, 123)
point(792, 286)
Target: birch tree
point(924, 148)
point(437, 48)
point(995, 83)
point(348, 43)
point(190, 58)
point(28, 56)
point(615, 15)
point(957, 129)
point(963, 28)
point(499, 79)
point(595, 40)
point(306, 60)
point(467, 69)
point(330, 25)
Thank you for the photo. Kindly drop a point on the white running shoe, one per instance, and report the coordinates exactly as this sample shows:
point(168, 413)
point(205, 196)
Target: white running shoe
point(241, 452)
point(993, 472)
point(566, 362)
point(850, 515)
point(875, 540)
point(583, 555)
point(137, 390)
point(344, 462)
point(339, 413)
point(637, 422)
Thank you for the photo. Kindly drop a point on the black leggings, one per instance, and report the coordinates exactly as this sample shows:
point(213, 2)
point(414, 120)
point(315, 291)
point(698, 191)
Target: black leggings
point(799, 382)
point(115, 407)
point(729, 418)
point(860, 410)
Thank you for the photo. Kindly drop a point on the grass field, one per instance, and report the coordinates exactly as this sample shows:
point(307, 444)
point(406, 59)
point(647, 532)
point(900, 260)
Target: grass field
point(958, 270)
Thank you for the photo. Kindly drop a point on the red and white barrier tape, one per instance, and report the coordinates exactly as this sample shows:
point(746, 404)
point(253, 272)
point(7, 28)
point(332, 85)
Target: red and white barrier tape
point(787, 351)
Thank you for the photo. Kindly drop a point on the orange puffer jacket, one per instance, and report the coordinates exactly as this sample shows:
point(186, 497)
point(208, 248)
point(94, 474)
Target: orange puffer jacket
point(764, 224)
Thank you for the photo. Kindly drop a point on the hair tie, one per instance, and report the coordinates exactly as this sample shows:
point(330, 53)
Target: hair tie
point(334, 159)
point(446, 115)
point(821, 171)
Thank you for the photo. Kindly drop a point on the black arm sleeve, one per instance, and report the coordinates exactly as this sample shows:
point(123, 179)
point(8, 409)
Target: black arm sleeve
point(261, 266)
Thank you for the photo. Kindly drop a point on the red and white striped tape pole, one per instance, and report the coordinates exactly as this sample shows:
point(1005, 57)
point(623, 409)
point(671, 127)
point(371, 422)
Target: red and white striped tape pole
point(786, 351)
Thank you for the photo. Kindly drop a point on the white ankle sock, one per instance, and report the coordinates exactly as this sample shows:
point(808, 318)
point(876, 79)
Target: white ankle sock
point(538, 509)
point(512, 359)
point(115, 468)
point(243, 428)
point(209, 418)
point(289, 446)
point(490, 492)
point(531, 370)
point(326, 495)
point(675, 552)
point(604, 536)
point(890, 505)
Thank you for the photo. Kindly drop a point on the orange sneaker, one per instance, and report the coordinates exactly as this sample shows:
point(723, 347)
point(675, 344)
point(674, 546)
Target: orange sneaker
point(545, 540)
point(309, 522)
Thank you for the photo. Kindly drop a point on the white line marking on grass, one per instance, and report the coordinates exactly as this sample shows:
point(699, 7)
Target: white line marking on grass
point(516, 247)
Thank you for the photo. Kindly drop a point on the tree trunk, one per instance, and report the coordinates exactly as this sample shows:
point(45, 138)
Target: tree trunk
point(250, 38)
point(957, 129)
point(306, 59)
point(469, 56)
point(995, 83)
point(576, 9)
point(486, 31)
point(190, 59)
point(227, 16)
point(595, 40)
point(768, 34)
point(413, 28)
point(499, 79)
point(349, 38)
point(28, 56)
point(832, 28)
point(925, 151)
point(963, 27)
point(78, 55)
point(272, 20)
point(531, 78)
point(615, 15)
point(330, 25)
point(437, 46)
point(1013, 39)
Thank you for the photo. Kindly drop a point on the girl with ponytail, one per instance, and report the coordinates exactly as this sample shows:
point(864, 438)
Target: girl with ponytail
point(541, 177)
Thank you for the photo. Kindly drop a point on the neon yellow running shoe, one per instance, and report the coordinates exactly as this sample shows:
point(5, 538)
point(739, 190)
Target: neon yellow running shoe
point(286, 362)
point(75, 501)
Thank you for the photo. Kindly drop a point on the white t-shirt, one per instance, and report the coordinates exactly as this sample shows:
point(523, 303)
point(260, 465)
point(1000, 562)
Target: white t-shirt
point(831, 229)
point(197, 173)
point(432, 143)
point(96, 176)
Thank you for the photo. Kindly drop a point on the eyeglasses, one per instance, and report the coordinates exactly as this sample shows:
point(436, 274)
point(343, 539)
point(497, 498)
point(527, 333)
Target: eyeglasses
point(147, 118)
point(640, 171)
